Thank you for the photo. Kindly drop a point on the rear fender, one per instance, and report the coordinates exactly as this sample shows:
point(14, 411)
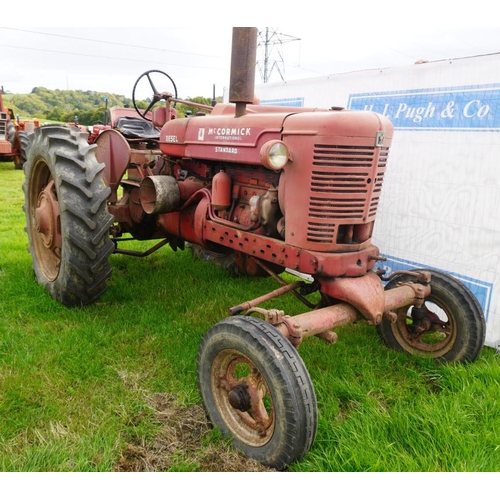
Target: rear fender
point(114, 151)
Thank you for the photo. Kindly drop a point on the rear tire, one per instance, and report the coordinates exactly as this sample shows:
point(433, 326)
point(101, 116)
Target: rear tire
point(456, 327)
point(67, 220)
point(257, 390)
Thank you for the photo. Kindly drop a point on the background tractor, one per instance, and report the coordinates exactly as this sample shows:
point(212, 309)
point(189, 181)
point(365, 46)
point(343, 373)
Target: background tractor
point(14, 135)
point(270, 189)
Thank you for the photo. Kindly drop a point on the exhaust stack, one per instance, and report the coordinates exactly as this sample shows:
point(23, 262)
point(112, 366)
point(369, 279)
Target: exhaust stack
point(243, 60)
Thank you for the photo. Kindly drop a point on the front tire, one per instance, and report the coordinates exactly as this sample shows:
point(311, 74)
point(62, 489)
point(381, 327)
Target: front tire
point(67, 220)
point(257, 391)
point(450, 326)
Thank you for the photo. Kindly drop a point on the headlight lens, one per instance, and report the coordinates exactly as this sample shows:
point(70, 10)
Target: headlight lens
point(274, 155)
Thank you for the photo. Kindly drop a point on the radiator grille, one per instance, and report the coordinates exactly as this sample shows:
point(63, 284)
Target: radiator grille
point(345, 184)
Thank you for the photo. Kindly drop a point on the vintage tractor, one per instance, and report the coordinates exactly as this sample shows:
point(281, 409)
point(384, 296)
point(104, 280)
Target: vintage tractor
point(14, 135)
point(271, 189)
point(7, 131)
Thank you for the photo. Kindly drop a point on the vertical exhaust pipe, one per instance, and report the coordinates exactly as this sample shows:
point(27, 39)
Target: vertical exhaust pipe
point(243, 60)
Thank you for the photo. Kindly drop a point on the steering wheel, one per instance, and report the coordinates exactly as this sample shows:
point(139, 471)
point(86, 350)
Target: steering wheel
point(157, 96)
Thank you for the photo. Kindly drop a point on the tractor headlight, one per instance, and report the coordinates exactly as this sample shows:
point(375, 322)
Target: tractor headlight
point(274, 155)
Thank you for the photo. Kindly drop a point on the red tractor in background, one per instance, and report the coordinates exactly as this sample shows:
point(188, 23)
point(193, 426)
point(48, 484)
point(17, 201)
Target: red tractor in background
point(130, 123)
point(271, 188)
point(14, 135)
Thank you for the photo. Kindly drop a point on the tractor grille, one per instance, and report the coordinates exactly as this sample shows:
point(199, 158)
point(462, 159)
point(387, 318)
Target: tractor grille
point(346, 182)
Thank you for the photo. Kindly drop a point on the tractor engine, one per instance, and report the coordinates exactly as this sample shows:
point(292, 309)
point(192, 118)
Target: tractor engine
point(310, 180)
point(287, 187)
point(298, 189)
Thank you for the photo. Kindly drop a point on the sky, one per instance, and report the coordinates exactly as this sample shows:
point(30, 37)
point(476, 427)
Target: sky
point(89, 52)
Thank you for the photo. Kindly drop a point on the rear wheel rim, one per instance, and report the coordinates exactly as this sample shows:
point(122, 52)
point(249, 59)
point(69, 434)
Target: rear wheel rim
point(45, 221)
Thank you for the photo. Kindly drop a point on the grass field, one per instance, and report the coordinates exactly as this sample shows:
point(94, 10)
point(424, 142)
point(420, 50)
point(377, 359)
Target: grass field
point(112, 387)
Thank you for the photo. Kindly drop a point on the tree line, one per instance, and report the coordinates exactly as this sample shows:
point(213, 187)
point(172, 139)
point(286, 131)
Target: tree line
point(87, 107)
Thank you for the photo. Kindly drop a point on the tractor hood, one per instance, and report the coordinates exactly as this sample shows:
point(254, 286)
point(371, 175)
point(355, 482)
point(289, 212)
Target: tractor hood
point(228, 138)
point(222, 138)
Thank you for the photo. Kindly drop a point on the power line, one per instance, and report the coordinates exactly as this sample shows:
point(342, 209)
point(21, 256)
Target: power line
point(269, 38)
point(111, 43)
point(108, 57)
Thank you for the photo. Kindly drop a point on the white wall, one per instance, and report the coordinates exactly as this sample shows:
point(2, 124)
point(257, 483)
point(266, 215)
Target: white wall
point(440, 206)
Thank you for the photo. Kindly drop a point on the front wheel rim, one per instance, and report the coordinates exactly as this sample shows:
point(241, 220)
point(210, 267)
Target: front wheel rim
point(437, 339)
point(242, 397)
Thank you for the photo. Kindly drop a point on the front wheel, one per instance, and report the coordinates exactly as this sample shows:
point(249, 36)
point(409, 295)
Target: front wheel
point(67, 220)
point(257, 391)
point(449, 326)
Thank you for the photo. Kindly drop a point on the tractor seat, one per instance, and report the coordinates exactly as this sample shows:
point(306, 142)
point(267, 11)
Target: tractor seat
point(136, 128)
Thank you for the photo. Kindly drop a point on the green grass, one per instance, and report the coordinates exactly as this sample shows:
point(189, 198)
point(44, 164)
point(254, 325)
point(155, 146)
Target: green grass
point(77, 386)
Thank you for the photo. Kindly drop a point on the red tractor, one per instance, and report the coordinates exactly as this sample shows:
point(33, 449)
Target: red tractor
point(14, 135)
point(270, 188)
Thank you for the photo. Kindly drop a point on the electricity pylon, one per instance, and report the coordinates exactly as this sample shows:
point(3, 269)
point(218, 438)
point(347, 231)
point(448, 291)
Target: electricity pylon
point(269, 38)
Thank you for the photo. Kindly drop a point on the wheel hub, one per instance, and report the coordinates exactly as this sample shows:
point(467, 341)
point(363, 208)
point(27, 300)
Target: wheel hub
point(426, 331)
point(46, 216)
point(243, 398)
point(239, 398)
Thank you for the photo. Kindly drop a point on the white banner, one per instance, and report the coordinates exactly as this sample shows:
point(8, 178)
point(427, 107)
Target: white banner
point(440, 206)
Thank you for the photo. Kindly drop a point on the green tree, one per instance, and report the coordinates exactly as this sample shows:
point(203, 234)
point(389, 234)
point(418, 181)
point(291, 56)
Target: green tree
point(183, 109)
point(55, 114)
point(62, 105)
